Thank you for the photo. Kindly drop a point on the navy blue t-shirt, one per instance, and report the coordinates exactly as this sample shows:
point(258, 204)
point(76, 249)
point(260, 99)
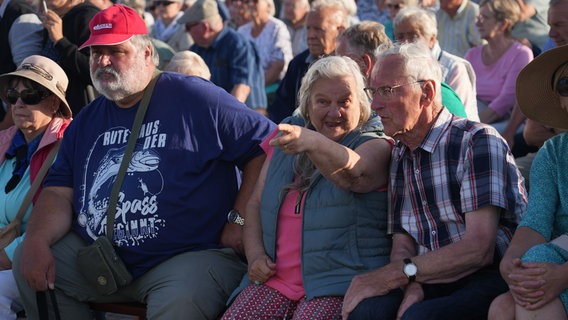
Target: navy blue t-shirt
point(181, 181)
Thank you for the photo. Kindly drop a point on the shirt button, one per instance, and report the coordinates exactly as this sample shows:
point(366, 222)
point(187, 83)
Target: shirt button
point(433, 233)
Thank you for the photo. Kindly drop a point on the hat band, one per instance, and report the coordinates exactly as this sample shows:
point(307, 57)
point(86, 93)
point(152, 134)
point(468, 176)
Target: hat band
point(36, 69)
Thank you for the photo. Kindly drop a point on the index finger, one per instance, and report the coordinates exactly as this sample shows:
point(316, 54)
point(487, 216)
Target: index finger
point(285, 128)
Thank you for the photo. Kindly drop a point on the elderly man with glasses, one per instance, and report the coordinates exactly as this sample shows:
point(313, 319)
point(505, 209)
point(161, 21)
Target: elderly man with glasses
point(455, 199)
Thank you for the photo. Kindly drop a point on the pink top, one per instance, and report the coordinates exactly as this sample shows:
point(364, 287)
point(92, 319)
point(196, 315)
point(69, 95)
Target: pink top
point(496, 83)
point(288, 276)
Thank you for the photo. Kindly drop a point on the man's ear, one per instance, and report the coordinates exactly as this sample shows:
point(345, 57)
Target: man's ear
point(428, 92)
point(368, 61)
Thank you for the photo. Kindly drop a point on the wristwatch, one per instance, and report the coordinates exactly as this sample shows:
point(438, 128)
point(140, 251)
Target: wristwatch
point(235, 217)
point(410, 270)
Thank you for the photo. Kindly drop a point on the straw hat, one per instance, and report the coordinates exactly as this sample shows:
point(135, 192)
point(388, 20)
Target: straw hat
point(45, 72)
point(535, 93)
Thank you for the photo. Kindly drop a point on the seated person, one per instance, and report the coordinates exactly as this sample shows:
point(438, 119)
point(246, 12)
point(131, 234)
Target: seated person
point(416, 24)
point(190, 63)
point(534, 265)
point(41, 114)
point(317, 216)
point(498, 62)
point(455, 196)
point(169, 231)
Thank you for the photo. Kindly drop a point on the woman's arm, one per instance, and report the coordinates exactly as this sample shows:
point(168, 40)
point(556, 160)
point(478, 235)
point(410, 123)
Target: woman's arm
point(260, 266)
point(361, 170)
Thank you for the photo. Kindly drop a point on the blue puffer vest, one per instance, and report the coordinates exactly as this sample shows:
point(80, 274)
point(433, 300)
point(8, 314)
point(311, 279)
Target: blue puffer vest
point(344, 233)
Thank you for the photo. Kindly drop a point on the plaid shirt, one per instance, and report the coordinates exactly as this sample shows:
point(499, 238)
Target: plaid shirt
point(461, 166)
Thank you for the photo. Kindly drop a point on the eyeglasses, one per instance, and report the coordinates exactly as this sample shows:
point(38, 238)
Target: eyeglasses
point(562, 86)
point(28, 96)
point(386, 92)
point(163, 3)
point(394, 6)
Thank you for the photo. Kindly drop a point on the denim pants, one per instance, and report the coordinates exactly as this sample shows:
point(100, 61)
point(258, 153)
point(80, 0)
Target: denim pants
point(467, 298)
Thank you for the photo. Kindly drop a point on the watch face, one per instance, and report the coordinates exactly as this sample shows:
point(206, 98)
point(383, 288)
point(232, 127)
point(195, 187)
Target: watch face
point(232, 216)
point(410, 269)
point(235, 217)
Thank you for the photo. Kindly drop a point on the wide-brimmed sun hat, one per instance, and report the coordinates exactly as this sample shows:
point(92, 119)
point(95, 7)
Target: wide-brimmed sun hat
point(536, 96)
point(113, 26)
point(45, 72)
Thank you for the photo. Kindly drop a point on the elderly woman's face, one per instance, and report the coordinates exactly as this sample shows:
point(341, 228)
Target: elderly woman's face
point(32, 119)
point(487, 24)
point(334, 107)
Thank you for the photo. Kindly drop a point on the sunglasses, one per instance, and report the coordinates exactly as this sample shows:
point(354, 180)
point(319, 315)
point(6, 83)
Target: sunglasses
point(394, 6)
point(562, 86)
point(28, 96)
point(163, 3)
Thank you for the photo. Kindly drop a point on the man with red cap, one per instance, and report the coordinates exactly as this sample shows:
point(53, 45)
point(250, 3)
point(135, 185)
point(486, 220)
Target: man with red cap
point(170, 229)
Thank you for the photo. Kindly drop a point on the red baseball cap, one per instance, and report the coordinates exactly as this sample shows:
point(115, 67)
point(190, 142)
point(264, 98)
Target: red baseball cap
point(114, 25)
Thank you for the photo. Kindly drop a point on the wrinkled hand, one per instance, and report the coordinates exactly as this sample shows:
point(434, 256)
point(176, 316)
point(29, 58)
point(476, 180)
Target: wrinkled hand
point(5, 263)
point(525, 283)
point(37, 265)
point(54, 25)
point(412, 295)
point(261, 268)
point(537, 284)
point(291, 139)
point(232, 237)
point(363, 286)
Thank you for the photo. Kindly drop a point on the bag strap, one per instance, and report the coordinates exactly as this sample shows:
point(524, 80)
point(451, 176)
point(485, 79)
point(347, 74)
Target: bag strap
point(41, 300)
point(37, 182)
point(134, 133)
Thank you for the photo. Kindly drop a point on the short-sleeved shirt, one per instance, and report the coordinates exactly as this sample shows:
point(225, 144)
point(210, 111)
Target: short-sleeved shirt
point(457, 34)
point(460, 167)
point(547, 213)
point(181, 180)
point(535, 28)
point(273, 43)
point(233, 59)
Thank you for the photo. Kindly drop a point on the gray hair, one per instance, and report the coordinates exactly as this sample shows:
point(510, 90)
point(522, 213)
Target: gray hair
point(366, 36)
point(328, 67)
point(271, 7)
point(141, 41)
point(426, 20)
point(339, 5)
point(332, 67)
point(189, 62)
point(418, 62)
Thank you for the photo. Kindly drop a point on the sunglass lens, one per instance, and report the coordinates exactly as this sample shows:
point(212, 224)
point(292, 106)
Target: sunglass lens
point(562, 86)
point(29, 96)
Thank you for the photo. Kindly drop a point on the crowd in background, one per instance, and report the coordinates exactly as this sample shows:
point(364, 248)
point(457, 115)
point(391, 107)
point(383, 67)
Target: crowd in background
point(260, 51)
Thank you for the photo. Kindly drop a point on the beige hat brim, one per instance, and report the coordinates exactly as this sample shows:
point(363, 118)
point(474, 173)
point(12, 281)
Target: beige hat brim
point(28, 74)
point(535, 93)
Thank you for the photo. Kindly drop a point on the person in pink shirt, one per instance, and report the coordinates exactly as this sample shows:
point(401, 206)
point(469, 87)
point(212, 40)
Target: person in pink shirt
point(317, 216)
point(498, 62)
